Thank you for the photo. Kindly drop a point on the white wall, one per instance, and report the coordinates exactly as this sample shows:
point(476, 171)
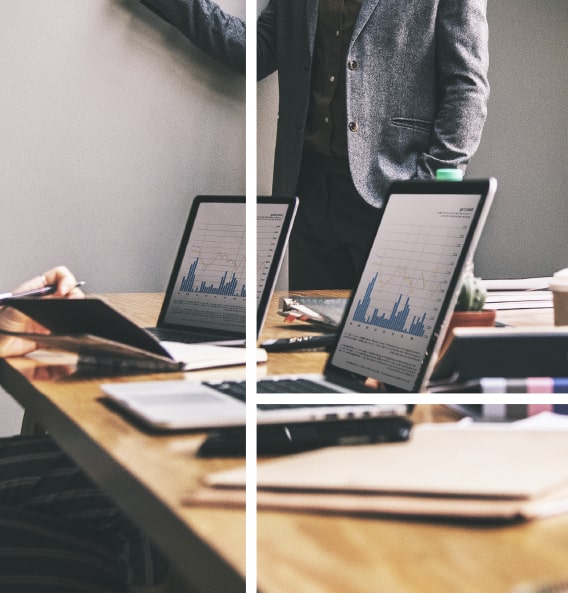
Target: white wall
point(110, 123)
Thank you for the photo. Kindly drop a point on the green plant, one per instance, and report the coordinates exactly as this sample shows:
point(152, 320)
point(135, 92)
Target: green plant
point(472, 295)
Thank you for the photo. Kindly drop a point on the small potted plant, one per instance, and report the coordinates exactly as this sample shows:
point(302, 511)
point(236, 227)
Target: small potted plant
point(469, 311)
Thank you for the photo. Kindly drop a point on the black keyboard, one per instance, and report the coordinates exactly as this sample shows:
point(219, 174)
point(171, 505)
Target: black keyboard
point(237, 389)
point(292, 386)
point(185, 337)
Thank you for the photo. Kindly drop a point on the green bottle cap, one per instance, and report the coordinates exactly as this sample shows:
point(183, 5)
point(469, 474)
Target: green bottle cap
point(449, 174)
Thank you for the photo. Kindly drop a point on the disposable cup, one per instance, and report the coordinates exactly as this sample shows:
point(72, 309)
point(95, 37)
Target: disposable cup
point(559, 288)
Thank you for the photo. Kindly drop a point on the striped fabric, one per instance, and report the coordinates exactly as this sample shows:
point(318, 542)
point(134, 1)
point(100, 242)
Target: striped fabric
point(40, 555)
point(57, 527)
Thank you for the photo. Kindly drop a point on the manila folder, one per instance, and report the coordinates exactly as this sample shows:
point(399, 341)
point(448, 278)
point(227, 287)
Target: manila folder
point(487, 472)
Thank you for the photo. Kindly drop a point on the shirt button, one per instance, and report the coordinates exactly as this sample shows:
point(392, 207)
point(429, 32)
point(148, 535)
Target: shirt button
point(353, 127)
point(337, 33)
point(352, 65)
point(332, 78)
point(326, 119)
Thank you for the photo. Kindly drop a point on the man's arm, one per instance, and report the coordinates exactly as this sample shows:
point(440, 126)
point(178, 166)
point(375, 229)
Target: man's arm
point(266, 41)
point(463, 88)
point(220, 35)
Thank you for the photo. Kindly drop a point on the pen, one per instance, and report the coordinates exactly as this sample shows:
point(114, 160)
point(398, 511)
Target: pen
point(34, 292)
point(300, 343)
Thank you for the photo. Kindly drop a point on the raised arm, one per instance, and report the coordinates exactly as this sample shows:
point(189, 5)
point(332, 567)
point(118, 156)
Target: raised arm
point(217, 33)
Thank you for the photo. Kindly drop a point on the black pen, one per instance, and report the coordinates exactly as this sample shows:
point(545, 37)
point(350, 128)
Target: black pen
point(322, 342)
point(34, 292)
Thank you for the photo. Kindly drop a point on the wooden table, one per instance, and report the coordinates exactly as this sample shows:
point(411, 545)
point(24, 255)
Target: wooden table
point(147, 475)
point(150, 475)
point(341, 554)
point(338, 554)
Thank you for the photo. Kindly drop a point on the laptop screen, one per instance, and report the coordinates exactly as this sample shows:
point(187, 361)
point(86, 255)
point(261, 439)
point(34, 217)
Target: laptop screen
point(410, 283)
point(274, 219)
point(207, 288)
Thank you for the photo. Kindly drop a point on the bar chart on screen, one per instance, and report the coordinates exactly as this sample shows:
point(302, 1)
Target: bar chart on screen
point(270, 218)
point(405, 286)
point(213, 270)
point(232, 287)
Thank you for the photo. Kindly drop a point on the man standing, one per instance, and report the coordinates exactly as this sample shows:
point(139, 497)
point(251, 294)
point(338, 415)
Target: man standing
point(370, 91)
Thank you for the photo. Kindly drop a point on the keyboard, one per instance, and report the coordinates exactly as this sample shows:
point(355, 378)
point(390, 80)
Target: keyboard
point(298, 385)
point(185, 337)
point(237, 389)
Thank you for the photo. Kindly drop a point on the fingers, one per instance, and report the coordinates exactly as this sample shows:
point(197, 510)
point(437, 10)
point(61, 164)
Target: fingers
point(374, 384)
point(65, 282)
point(37, 282)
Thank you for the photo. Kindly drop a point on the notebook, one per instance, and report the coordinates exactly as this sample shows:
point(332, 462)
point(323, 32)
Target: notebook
point(206, 292)
point(397, 316)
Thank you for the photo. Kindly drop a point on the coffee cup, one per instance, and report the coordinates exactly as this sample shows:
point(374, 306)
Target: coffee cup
point(559, 288)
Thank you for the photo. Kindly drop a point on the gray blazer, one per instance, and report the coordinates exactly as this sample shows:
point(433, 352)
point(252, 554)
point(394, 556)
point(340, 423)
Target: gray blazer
point(416, 76)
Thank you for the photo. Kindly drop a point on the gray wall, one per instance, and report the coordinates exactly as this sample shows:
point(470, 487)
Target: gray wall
point(524, 144)
point(110, 122)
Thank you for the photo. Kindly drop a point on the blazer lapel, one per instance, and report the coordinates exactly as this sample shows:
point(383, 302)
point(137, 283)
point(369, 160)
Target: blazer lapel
point(365, 12)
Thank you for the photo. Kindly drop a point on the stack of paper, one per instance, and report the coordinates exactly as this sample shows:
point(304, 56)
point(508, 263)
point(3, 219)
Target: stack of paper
point(518, 293)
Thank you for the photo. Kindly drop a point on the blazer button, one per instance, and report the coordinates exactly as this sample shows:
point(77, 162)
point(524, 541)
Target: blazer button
point(352, 65)
point(353, 127)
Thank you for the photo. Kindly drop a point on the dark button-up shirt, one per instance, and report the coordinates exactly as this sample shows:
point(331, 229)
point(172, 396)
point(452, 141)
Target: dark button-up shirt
point(326, 126)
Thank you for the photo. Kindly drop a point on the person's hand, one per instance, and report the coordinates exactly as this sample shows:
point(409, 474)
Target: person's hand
point(12, 320)
point(374, 384)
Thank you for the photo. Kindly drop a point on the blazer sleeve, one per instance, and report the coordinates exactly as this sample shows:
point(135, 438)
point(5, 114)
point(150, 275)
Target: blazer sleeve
point(462, 85)
point(217, 33)
point(266, 39)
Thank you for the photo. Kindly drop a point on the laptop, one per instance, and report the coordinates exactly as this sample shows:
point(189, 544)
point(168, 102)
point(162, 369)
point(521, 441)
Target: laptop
point(398, 314)
point(206, 292)
point(174, 405)
point(392, 330)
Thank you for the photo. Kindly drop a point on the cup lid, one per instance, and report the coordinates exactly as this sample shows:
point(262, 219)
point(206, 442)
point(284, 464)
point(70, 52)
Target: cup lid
point(559, 284)
point(449, 174)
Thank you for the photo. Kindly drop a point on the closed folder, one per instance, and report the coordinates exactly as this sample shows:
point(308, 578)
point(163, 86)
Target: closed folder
point(488, 473)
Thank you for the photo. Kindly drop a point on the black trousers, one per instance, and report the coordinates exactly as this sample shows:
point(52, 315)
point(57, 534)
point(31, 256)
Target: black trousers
point(334, 227)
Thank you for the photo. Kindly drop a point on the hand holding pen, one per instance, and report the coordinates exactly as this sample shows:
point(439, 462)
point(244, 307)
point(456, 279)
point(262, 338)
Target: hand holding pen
point(58, 282)
point(46, 290)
